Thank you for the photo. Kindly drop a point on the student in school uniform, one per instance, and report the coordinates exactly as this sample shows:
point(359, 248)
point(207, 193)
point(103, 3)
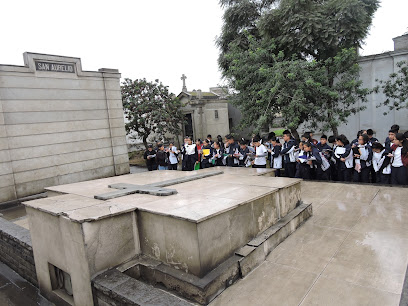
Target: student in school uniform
point(333, 163)
point(190, 155)
point(218, 154)
point(371, 137)
point(162, 157)
point(220, 142)
point(311, 140)
point(275, 156)
point(399, 164)
point(231, 148)
point(243, 152)
point(371, 141)
point(207, 153)
point(306, 137)
point(288, 154)
point(150, 157)
point(209, 138)
point(363, 155)
point(344, 158)
point(381, 163)
point(354, 142)
point(317, 161)
point(173, 156)
point(320, 161)
point(391, 136)
point(261, 154)
point(305, 165)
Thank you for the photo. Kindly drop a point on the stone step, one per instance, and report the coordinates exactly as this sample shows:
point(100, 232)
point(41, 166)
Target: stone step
point(116, 288)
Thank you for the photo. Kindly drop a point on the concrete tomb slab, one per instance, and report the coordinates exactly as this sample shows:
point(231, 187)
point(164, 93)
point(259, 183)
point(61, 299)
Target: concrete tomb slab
point(213, 215)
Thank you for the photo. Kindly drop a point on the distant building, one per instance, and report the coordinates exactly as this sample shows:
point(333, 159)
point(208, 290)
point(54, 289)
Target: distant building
point(209, 112)
point(373, 67)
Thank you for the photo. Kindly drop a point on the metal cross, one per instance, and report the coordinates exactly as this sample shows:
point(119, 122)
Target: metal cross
point(153, 189)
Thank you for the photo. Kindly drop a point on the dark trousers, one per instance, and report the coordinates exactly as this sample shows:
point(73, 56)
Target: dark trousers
point(277, 172)
point(305, 171)
point(290, 169)
point(363, 176)
point(230, 162)
point(205, 164)
point(173, 167)
point(345, 174)
point(151, 167)
point(373, 174)
point(399, 176)
point(322, 175)
point(333, 171)
point(383, 178)
point(258, 166)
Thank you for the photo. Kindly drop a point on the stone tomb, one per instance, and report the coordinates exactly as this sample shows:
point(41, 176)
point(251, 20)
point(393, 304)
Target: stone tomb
point(224, 219)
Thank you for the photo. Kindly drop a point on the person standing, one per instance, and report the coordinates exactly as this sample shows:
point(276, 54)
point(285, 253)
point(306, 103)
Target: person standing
point(162, 157)
point(399, 164)
point(344, 158)
point(207, 153)
point(190, 155)
point(173, 156)
point(381, 163)
point(260, 153)
point(275, 157)
point(288, 152)
point(363, 155)
point(150, 157)
point(231, 148)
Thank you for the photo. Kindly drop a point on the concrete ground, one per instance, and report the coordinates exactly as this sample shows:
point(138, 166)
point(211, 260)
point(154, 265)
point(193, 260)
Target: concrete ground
point(353, 251)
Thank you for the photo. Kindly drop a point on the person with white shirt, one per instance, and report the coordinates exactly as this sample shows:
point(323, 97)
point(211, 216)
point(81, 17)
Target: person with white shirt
point(399, 163)
point(173, 156)
point(261, 154)
point(190, 155)
point(381, 163)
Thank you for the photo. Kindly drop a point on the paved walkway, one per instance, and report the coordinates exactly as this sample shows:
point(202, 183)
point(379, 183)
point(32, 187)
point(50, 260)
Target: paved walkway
point(353, 251)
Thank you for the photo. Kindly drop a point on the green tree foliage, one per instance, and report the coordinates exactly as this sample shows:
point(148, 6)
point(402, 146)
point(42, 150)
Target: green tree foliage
point(395, 88)
point(150, 108)
point(296, 57)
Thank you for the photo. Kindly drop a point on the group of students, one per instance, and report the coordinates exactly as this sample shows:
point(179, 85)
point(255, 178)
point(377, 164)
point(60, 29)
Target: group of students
point(364, 159)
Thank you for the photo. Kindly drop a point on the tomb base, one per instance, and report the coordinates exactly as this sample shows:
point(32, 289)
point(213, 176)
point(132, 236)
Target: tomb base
point(196, 242)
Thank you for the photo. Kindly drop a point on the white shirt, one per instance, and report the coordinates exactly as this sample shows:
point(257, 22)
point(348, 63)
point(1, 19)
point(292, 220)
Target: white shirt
point(173, 157)
point(262, 153)
point(397, 162)
point(190, 149)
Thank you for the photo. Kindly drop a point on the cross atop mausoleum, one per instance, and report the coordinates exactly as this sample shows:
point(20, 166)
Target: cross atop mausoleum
point(183, 77)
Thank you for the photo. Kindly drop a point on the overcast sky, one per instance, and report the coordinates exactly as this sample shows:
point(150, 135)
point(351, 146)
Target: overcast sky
point(145, 38)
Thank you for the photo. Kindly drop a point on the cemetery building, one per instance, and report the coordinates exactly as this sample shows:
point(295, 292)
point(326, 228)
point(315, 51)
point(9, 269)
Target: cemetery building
point(58, 125)
point(373, 67)
point(208, 112)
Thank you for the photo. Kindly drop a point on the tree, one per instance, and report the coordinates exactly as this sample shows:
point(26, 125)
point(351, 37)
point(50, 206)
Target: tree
point(323, 34)
point(150, 108)
point(395, 88)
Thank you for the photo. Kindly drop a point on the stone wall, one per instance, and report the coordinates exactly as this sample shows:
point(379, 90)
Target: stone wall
point(16, 250)
point(373, 67)
point(58, 126)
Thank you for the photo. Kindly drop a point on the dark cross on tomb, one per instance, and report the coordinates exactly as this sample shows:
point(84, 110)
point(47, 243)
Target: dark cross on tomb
point(156, 189)
point(183, 77)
